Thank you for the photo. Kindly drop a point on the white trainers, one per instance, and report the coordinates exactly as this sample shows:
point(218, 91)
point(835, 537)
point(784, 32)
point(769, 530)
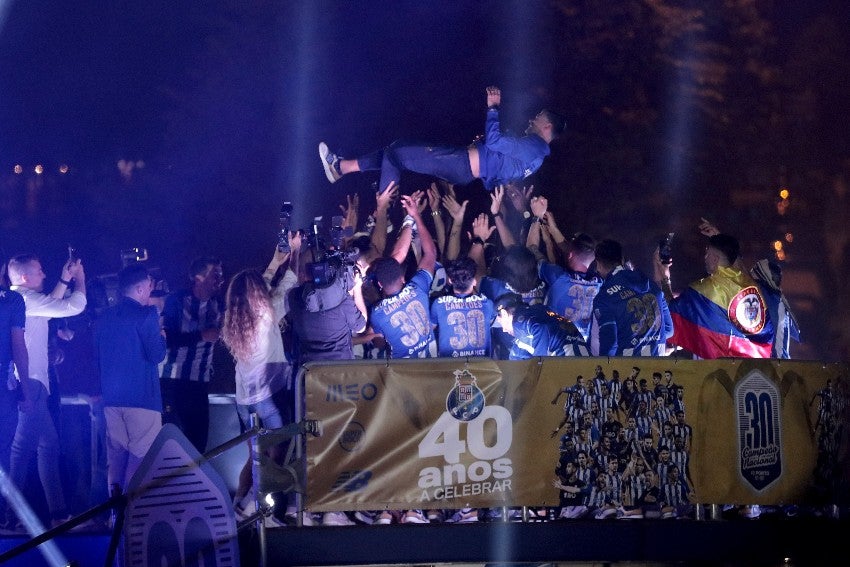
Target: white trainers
point(414, 517)
point(271, 521)
point(365, 517)
point(436, 516)
point(464, 516)
point(244, 511)
point(385, 518)
point(330, 162)
point(336, 519)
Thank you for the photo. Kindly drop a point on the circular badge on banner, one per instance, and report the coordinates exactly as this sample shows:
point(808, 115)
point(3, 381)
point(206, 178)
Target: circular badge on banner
point(747, 310)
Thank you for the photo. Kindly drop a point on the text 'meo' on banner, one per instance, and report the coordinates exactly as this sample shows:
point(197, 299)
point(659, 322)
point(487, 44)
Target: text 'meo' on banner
point(444, 433)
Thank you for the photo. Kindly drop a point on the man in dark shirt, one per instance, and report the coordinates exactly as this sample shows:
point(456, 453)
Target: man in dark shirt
point(496, 159)
point(322, 329)
point(13, 349)
point(537, 331)
point(130, 344)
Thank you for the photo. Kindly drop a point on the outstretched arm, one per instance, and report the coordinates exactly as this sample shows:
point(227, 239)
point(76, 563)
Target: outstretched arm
point(457, 212)
point(439, 226)
point(379, 233)
point(481, 231)
point(497, 209)
point(517, 147)
point(429, 249)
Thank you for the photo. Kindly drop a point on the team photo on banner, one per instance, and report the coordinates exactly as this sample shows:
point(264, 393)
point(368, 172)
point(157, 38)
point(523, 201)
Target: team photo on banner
point(450, 433)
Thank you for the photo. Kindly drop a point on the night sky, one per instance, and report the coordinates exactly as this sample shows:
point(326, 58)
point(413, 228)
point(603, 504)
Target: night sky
point(224, 103)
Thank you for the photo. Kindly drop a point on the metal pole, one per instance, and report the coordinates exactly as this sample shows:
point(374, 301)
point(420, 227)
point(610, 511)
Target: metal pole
point(254, 455)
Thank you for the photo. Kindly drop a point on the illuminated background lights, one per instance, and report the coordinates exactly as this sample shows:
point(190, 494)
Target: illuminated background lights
point(18, 169)
point(39, 169)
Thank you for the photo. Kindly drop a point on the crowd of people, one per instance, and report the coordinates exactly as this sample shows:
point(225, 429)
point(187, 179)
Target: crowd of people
point(509, 285)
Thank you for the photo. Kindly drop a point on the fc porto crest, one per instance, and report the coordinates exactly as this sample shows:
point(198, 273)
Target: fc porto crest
point(466, 400)
point(747, 310)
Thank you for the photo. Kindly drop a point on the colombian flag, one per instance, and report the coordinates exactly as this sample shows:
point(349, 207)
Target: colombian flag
point(723, 315)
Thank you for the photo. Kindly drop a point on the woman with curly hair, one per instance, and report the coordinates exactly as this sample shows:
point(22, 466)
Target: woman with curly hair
point(254, 309)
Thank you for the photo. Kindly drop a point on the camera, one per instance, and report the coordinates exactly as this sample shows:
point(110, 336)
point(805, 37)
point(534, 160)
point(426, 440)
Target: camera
point(665, 249)
point(72, 254)
point(283, 230)
point(132, 255)
point(338, 234)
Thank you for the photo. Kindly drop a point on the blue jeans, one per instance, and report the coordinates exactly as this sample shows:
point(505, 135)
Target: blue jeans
point(36, 433)
point(274, 412)
point(450, 163)
point(8, 424)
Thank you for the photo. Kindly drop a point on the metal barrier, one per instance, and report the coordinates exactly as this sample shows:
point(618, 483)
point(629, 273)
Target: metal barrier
point(117, 503)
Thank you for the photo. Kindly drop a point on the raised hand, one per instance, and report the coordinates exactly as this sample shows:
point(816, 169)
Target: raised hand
point(385, 197)
point(434, 197)
point(456, 210)
point(708, 229)
point(494, 96)
point(481, 227)
point(539, 205)
point(350, 211)
point(496, 198)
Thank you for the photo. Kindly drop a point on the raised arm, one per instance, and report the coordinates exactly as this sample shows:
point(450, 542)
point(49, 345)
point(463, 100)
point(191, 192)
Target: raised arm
point(439, 226)
point(429, 249)
point(481, 232)
point(379, 233)
point(457, 212)
point(497, 209)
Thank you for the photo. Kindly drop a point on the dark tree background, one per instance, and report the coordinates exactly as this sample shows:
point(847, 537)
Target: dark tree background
point(676, 110)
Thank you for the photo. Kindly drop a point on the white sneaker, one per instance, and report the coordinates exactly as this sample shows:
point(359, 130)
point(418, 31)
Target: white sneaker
point(436, 516)
point(271, 521)
point(464, 516)
point(244, 511)
point(414, 517)
point(336, 519)
point(330, 162)
point(365, 517)
point(385, 518)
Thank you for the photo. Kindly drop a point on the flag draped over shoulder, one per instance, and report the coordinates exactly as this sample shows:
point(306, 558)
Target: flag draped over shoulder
point(723, 315)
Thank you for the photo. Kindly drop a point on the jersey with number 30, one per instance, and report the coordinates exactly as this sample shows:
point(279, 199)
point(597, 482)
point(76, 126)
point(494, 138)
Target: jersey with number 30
point(630, 316)
point(403, 318)
point(571, 294)
point(463, 325)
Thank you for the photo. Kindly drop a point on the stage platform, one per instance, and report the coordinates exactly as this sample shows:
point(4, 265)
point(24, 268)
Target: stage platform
point(768, 542)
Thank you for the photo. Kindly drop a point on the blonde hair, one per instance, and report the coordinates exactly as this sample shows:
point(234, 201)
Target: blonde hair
point(247, 300)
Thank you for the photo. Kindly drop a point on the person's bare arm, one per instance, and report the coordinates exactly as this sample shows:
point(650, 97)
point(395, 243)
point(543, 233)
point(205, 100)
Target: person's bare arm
point(429, 250)
point(72, 270)
point(557, 235)
point(482, 230)
point(439, 226)
point(379, 233)
point(457, 212)
point(497, 209)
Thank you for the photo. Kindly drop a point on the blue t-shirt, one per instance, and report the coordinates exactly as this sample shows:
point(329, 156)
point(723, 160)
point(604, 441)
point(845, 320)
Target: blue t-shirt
point(493, 288)
point(630, 316)
point(463, 325)
point(571, 294)
point(12, 315)
point(403, 318)
point(507, 158)
point(540, 332)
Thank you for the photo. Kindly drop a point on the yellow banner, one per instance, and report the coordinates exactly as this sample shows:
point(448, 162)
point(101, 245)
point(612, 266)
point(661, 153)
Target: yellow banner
point(445, 433)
